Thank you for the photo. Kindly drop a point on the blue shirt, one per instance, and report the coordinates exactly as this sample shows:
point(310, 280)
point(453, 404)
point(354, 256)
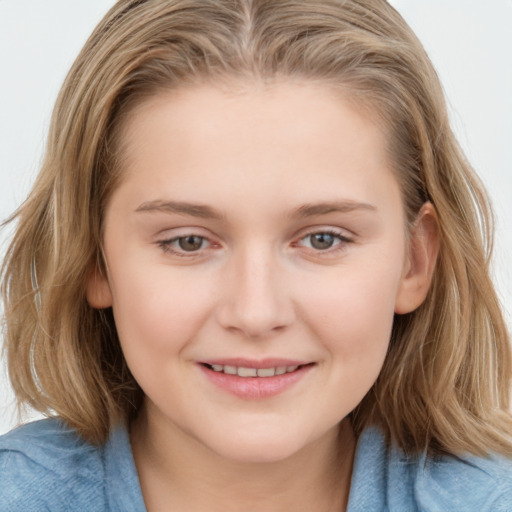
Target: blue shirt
point(45, 466)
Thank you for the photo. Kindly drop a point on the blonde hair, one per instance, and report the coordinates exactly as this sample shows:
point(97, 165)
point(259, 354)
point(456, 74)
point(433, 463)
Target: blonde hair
point(445, 382)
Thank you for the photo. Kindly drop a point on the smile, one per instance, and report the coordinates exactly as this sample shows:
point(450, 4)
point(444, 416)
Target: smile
point(255, 381)
point(243, 371)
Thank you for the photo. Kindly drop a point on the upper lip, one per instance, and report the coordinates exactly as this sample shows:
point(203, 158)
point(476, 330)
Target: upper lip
point(256, 363)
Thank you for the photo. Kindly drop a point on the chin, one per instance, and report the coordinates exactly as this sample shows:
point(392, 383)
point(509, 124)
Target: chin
point(257, 447)
point(257, 454)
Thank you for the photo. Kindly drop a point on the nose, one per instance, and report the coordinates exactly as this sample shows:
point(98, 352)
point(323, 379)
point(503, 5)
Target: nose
point(256, 300)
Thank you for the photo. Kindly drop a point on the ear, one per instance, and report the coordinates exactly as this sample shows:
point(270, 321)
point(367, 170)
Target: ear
point(99, 295)
point(421, 257)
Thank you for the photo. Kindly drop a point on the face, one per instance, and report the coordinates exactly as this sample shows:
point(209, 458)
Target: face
point(256, 254)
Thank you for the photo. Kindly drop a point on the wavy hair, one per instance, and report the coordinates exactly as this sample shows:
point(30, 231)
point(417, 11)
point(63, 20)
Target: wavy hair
point(446, 379)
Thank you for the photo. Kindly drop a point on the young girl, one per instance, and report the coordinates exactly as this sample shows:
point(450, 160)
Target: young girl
point(253, 275)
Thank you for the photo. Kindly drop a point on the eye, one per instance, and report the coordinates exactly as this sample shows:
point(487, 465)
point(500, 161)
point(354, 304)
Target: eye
point(190, 243)
point(323, 240)
point(185, 245)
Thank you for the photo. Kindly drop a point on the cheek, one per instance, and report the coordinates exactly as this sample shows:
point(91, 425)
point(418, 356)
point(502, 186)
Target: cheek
point(353, 312)
point(158, 311)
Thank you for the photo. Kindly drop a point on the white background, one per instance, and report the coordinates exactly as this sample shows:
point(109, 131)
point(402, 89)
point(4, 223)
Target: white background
point(469, 41)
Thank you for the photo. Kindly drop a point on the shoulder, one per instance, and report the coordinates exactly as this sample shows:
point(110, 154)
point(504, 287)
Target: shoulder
point(45, 465)
point(466, 482)
point(385, 478)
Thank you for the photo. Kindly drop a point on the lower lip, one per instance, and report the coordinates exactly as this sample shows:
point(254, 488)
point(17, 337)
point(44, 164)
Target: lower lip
point(255, 388)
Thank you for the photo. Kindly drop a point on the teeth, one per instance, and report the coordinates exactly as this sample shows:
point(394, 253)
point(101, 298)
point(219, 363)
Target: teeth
point(266, 372)
point(242, 371)
point(247, 372)
point(230, 370)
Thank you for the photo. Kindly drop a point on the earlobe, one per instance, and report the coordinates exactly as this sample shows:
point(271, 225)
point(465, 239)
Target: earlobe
point(421, 261)
point(99, 295)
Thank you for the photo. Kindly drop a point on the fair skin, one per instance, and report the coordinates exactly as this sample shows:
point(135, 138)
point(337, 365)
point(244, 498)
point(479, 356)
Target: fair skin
point(256, 229)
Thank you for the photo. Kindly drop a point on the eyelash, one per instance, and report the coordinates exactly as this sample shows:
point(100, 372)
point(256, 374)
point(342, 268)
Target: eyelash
point(167, 246)
point(342, 241)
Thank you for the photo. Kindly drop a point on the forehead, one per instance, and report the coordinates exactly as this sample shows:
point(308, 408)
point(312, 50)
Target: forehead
point(287, 140)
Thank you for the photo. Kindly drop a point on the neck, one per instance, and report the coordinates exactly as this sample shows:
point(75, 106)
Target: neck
point(177, 469)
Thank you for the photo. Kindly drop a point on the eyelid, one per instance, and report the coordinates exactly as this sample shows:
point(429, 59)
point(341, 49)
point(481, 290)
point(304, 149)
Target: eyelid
point(344, 237)
point(341, 234)
point(174, 235)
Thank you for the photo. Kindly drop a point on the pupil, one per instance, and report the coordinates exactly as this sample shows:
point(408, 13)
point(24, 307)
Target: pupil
point(190, 243)
point(322, 241)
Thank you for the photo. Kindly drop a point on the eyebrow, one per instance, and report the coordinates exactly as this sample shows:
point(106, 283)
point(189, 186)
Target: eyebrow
point(180, 207)
point(347, 206)
point(206, 212)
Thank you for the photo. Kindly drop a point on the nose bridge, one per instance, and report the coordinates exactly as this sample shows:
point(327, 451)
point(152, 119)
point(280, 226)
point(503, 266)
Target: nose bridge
point(256, 300)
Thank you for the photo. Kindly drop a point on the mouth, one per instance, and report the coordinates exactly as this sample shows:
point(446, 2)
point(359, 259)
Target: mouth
point(247, 372)
point(255, 380)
